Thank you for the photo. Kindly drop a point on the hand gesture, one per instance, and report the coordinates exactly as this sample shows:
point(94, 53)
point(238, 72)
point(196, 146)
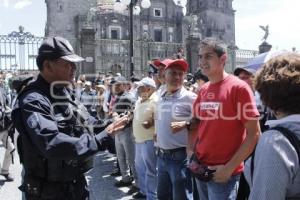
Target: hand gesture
point(178, 126)
point(117, 125)
point(147, 124)
point(222, 174)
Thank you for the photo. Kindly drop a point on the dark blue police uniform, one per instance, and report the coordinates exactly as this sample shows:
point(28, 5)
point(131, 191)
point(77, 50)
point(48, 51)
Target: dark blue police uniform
point(57, 140)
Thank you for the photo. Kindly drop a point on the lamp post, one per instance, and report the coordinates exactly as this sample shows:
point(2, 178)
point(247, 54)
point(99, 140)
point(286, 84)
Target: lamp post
point(133, 9)
point(191, 24)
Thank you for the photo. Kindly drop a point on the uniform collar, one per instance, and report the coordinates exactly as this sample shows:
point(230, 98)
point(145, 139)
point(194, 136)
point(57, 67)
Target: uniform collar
point(46, 88)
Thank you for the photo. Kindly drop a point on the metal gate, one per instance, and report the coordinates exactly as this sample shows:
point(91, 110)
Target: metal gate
point(18, 51)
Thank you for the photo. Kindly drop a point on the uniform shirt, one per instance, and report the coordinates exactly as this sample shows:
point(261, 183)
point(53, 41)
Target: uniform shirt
point(223, 108)
point(38, 120)
point(174, 107)
point(143, 111)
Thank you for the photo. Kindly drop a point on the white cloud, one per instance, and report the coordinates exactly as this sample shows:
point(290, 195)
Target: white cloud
point(6, 3)
point(281, 16)
point(22, 4)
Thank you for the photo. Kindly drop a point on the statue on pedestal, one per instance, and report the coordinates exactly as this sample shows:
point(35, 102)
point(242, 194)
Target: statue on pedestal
point(266, 30)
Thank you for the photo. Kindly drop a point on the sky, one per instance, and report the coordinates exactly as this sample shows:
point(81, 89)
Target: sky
point(281, 15)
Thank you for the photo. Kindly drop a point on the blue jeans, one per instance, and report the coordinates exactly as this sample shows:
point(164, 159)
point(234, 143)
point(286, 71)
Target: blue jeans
point(145, 164)
point(174, 180)
point(218, 191)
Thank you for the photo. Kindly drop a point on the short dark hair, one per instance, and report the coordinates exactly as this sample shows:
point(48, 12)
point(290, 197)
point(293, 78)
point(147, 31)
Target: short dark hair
point(40, 60)
point(219, 47)
point(278, 83)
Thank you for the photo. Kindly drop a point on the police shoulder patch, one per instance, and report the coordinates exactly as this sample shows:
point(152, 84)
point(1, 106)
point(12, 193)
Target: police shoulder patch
point(32, 120)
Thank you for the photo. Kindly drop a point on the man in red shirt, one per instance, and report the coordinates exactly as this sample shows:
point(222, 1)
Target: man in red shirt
point(228, 129)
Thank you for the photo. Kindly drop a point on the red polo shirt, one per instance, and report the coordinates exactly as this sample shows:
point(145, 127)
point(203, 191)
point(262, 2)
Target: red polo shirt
point(223, 109)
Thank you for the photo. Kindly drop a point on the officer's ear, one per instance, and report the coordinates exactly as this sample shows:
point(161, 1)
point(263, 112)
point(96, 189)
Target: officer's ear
point(48, 65)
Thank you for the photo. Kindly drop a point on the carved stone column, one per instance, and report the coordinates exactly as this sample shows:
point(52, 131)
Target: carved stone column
point(192, 48)
point(88, 51)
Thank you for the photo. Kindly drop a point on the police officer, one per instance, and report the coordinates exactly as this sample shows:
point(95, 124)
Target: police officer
point(57, 135)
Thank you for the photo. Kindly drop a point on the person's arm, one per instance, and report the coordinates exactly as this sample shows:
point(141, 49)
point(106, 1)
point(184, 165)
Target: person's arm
point(193, 134)
point(148, 123)
point(224, 172)
point(39, 123)
point(249, 117)
point(189, 123)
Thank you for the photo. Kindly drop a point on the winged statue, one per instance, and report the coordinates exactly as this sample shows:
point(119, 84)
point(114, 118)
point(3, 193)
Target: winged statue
point(266, 30)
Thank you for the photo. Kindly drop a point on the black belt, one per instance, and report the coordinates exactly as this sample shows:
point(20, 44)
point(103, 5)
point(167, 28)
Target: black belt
point(170, 151)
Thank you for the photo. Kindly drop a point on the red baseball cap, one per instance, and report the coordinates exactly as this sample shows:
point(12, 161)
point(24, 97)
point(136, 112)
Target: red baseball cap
point(157, 63)
point(177, 62)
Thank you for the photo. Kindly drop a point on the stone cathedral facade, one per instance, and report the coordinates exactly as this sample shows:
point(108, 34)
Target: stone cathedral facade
point(101, 35)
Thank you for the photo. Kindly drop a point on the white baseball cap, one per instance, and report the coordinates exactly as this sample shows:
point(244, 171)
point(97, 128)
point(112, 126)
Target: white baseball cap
point(88, 83)
point(146, 82)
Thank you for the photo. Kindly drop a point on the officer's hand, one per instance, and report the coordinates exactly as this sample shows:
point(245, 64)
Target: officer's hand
point(117, 125)
point(178, 126)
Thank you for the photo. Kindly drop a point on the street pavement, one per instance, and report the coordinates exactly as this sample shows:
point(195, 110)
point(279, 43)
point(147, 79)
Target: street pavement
point(101, 184)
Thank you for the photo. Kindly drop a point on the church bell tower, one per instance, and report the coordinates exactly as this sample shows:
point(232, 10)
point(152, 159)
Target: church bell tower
point(215, 18)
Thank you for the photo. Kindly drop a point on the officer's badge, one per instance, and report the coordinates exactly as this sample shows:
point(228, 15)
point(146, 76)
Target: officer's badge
point(32, 121)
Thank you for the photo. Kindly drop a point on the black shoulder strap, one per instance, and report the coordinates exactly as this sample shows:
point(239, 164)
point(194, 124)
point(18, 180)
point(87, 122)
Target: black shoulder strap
point(293, 139)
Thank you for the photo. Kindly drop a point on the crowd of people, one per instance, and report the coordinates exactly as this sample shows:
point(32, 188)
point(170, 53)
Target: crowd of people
point(175, 135)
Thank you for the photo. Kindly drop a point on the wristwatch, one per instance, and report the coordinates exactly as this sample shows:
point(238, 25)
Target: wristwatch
point(188, 125)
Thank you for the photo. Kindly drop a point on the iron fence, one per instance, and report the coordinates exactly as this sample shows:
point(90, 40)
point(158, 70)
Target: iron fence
point(238, 58)
point(18, 51)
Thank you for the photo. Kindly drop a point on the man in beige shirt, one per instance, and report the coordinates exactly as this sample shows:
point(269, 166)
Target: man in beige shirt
point(143, 131)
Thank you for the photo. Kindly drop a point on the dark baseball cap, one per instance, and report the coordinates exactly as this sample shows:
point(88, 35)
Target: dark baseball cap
point(118, 79)
point(238, 70)
point(58, 47)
